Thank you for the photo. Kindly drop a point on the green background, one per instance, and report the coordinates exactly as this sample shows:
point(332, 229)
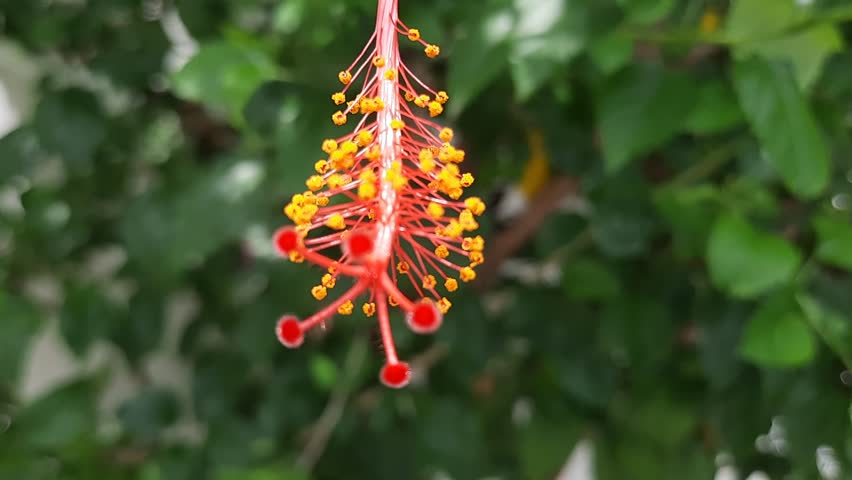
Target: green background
point(704, 293)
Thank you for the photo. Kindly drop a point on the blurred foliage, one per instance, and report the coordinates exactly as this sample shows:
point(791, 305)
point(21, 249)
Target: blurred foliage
point(704, 294)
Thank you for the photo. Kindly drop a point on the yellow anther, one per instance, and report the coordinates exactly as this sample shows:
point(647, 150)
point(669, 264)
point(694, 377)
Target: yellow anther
point(339, 118)
point(379, 103)
point(353, 106)
point(315, 182)
point(409, 96)
point(368, 176)
point(291, 211)
point(369, 309)
point(458, 156)
point(467, 221)
point(322, 201)
point(367, 105)
point(467, 274)
point(451, 284)
point(432, 51)
point(453, 229)
point(413, 34)
point(434, 210)
point(473, 244)
point(296, 257)
point(336, 222)
point(455, 193)
point(442, 97)
point(329, 146)
point(427, 160)
point(329, 280)
point(373, 153)
point(392, 302)
point(445, 153)
point(444, 305)
point(446, 135)
point(476, 258)
point(397, 124)
point(321, 167)
point(442, 251)
point(390, 74)
point(435, 109)
point(345, 77)
point(310, 198)
point(379, 61)
point(348, 147)
point(371, 214)
point(475, 205)
point(336, 181)
point(366, 191)
point(403, 267)
point(429, 282)
point(346, 309)
point(338, 98)
point(466, 180)
point(364, 138)
point(422, 101)
point(319, 292)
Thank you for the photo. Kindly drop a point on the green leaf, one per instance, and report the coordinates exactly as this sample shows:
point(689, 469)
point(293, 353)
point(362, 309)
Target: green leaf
point(223, 77)
point(834, 328)
point(835, 241)
point(766, 28)
point(148, 413)
point(777, 335)
point(69, 123)
point(87, 316)
point(759, 19)
point(167, 233)
point(646, 12)
point(478, 56)
point(642, 109)
point(716, 110)
point(545, 37)
point(784, 125)
point(323, 371)
point(747, 262)
point(611, 52)
point(269, 473)
point(587, 279)
point(20, 323)
point(806, 50)
point(60, 418)
point(689, 211)
point(545, 444)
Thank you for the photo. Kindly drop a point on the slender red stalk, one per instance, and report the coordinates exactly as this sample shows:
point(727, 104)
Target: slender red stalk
point(385, 203)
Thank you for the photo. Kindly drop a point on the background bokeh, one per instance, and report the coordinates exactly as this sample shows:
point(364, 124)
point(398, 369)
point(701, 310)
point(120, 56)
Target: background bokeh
point(675, 297)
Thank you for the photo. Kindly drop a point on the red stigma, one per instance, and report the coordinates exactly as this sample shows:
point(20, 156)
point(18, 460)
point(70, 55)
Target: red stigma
point(395, 375)
point(359, 244)
point(425, 317)
point(286, 240)
point(289, 333)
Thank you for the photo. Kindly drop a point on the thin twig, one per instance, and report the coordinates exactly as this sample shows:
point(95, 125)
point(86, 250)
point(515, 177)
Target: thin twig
point(506, 244)
point(333, 412)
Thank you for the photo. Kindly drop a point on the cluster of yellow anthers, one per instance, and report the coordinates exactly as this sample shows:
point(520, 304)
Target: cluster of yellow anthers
point(386, 200)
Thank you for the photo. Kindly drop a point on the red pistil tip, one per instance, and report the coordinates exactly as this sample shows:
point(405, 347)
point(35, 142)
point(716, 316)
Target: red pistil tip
point(286, 240)
point(425, 317)
point(395, 375)
point(289, 332)
point(358, 244)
